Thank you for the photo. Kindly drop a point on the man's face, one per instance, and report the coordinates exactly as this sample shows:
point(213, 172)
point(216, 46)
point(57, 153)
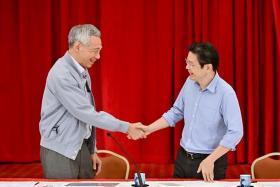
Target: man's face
point(197, 73)
point(88, 54)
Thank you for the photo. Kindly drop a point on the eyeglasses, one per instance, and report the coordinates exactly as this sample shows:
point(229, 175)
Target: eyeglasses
point(190, 63)
point(92, 50)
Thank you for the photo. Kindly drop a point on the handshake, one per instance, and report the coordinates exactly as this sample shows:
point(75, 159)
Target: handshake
point(138, 131)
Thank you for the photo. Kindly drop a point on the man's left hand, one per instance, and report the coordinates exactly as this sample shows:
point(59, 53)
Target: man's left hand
point(96, 163)
point(207, 169)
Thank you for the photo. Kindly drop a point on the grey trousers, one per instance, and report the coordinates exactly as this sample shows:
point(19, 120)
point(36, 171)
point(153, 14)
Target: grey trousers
point(57, 166)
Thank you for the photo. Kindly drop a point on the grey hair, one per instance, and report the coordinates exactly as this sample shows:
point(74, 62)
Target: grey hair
point(82, 33)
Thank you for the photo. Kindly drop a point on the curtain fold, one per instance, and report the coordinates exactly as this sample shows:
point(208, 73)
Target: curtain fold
point(142, 67)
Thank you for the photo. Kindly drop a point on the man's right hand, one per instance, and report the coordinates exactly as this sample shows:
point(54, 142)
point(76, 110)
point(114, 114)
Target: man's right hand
point(134, 132)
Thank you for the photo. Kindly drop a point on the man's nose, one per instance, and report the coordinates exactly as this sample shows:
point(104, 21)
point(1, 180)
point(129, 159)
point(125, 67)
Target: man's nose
point(97, 56)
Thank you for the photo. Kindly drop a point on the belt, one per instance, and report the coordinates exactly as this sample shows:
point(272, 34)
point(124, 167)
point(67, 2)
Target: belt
point(194, 155)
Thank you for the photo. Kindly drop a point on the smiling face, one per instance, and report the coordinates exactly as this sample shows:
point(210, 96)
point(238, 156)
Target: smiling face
point(87, 55)
point(197, 73)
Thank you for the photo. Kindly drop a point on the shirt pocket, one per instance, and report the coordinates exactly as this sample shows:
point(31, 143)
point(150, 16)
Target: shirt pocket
point(59, 127)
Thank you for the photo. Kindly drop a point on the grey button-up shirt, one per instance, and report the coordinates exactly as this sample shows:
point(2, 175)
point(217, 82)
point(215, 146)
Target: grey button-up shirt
point(85, 79)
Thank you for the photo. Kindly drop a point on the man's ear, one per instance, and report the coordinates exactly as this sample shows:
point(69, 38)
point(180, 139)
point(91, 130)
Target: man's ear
point(77, 46)
point(209, 66)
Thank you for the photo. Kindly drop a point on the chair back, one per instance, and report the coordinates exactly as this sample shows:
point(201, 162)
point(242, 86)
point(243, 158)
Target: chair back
point(114, 166)
point(266, 167)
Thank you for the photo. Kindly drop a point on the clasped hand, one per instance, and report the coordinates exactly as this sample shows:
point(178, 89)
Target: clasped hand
point(137, 131)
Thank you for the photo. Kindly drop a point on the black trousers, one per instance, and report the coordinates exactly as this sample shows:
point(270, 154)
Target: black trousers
point(57, 166)
point(186, 165)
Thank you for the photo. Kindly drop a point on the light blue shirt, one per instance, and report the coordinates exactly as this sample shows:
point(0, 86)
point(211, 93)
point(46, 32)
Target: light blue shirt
point(212, 116)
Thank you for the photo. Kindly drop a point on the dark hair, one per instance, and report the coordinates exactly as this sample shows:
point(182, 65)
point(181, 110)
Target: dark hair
point(206, 54)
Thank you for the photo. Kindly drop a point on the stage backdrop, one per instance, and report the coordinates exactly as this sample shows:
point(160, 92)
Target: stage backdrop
point(142, 67)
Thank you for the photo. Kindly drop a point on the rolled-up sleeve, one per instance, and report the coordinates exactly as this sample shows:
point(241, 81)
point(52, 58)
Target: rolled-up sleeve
point(176, 113)
point(233, 120)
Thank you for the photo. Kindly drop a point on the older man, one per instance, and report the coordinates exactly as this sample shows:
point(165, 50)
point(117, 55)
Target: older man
point(68, 115)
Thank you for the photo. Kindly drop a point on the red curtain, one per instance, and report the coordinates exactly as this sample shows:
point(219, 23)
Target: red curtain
point(142, 67)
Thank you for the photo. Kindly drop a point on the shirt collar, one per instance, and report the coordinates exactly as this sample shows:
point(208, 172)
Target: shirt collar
point(213, 84)
point(81, 70)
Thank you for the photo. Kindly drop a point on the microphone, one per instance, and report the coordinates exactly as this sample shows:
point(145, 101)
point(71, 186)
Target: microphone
point(133, 162)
